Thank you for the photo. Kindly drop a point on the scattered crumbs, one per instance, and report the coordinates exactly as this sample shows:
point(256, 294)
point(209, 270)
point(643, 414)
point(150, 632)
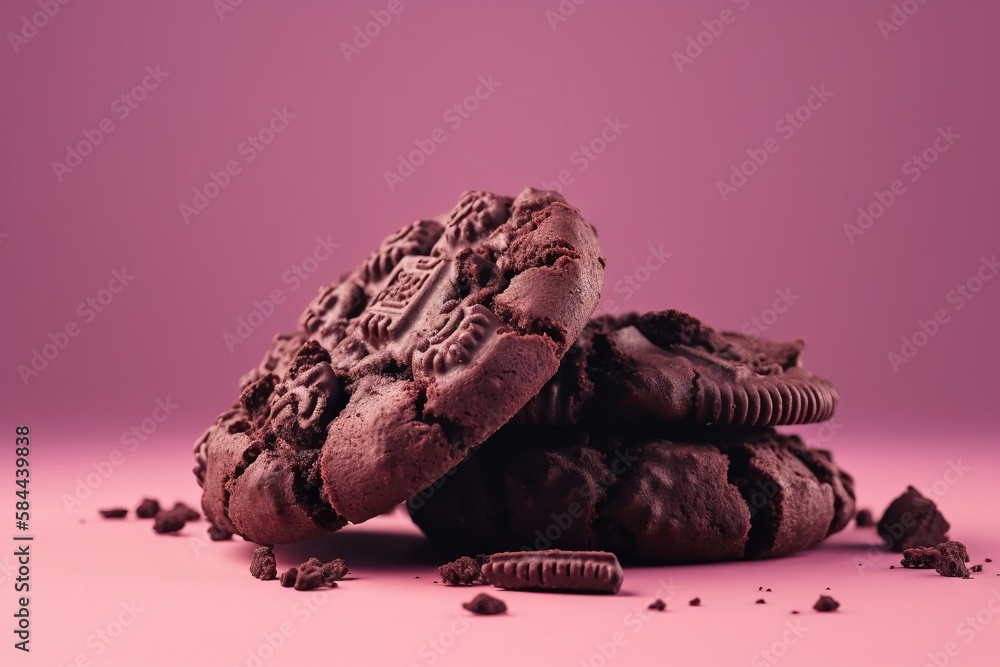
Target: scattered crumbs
point(989, 560)
point(891, 567)
point(826, 603)
point(485, 605)
point(794, 611)
point(864, 518)
point(114, 513)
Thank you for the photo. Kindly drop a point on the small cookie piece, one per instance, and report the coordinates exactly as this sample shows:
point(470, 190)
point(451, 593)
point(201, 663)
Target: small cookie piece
point(263, 566)
point(657, 605)
point(695, 602)
point(976, 568)
point(864, 518)
point(669, 367)
point(826, 603)
point(462, 572)
point(555, 570)
point(114, 513)
point(659, 497)
point(189, 513)
point(312, 575)
point(217, 534)
point(168, 522)
point(148, 508)
point(485, 605)
point(920, 558)
point(912, 520)
point(289, 576)
point(335, 570)
point(951, 559)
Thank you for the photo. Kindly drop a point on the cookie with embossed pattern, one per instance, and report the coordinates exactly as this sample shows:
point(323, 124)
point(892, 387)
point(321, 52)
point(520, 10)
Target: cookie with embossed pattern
point(668, 367)
point(654, 497)
point(399, 368)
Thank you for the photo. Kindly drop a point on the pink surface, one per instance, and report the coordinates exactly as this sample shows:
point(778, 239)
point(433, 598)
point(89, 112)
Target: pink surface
point(199, 604)
point(292, 140)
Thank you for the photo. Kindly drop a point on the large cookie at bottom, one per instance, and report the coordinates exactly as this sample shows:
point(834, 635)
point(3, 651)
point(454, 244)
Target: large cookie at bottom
point(669, 367)
point(420, 353)
point(689, 497)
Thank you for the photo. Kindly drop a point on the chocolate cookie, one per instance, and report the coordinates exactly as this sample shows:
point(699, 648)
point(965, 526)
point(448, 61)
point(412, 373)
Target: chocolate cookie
point(694, 496)
point(667, 366)
point(399, 368)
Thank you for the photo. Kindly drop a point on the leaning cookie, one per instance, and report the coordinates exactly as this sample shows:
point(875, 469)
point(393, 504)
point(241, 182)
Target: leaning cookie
point(652, 499)
point(399, 368)
point(668, 367)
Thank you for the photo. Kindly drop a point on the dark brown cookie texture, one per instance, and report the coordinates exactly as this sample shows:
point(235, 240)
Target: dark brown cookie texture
point(169, 522)
point(555, 570)
point(148, 508)
point(485, 605)
point(919, 558)
point(114, 512)
point(402, 366)
point(263, 566)
point(669, 367)
point(826, 603)
point(912, 520)
point(465, 571)
point(693, 496)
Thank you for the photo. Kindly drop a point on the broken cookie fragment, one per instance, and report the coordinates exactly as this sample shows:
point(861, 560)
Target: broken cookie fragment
point(263, 566)
point(912, 520)
point(465, 571)
point(485, 605)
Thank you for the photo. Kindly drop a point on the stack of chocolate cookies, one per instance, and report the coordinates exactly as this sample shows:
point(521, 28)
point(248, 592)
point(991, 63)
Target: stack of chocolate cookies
point(456, 368)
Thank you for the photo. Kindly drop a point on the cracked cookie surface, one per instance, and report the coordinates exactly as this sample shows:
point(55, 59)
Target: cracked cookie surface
point(396, 370)
point(651, 498)
point(669, 367)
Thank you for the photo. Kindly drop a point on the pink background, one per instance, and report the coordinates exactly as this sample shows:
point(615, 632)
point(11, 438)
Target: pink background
point(654, 186)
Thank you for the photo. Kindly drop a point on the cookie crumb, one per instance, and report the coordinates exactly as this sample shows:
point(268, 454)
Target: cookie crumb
point(263, 566)
point(976, 568)
point(864, 518)
point(148, 508)
point(695, 602)
point(768, 590)
point(189, 513)
point(217, 534)
point(951, 559)
point(657, 605)
point(485, 605)
point(462, 572)
point(168, 522)
point(826, 603)
point(920, 558)
point(114, 513)
point(289, 576)
point(912, 520)
point(761, 601)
